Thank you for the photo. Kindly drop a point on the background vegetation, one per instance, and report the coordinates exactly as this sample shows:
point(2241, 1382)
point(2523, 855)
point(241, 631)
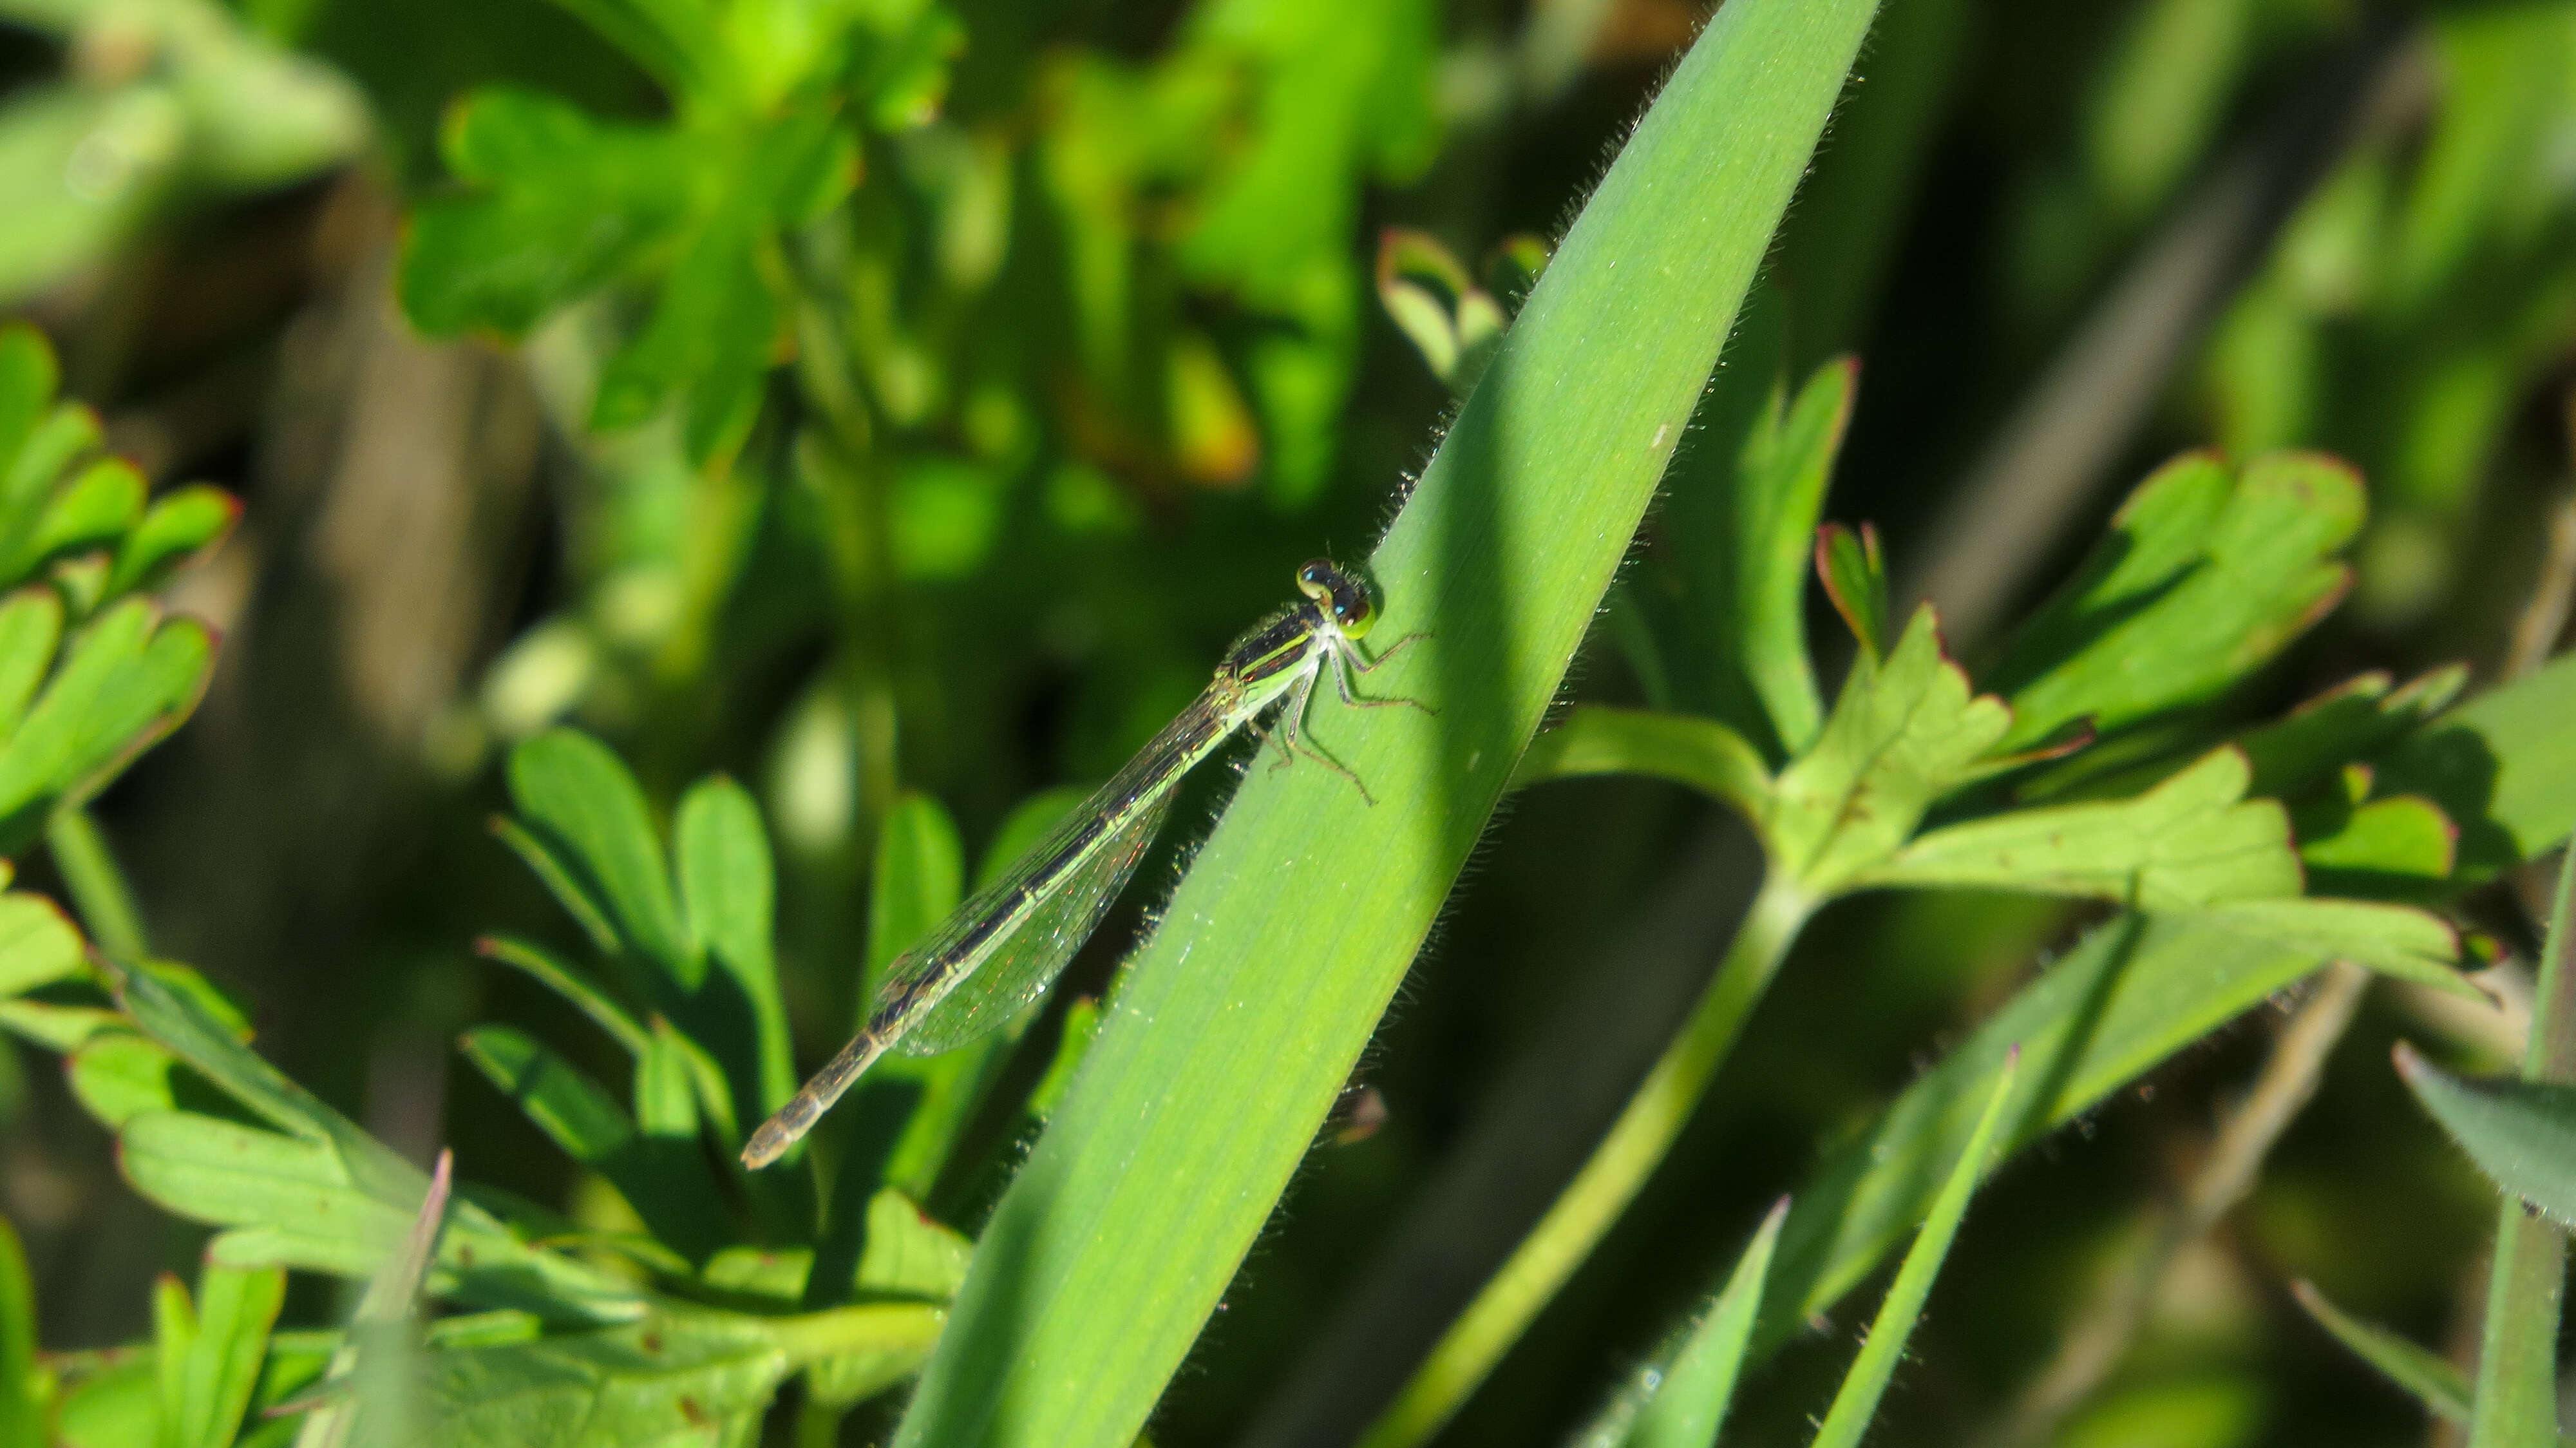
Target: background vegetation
point(640, 503)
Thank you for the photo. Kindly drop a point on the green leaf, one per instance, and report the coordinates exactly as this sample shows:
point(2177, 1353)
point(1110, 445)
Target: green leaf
point(1776, 495)
point(118, 1075)
point(371, 1378)
point(668, 1189)
point(94, 509)
point(542, 966)
point(716, 322)
point(727, 887)
point(673, 41)
point(1855, 579)
point(22, 1401)
point(1427, 294)
point(126, 680)
point(2206, 575)
point(907, 1254)
point(2131, 994)
point(1698, 1384)
point(174, 1332)
point(710, 338)
point(357, 1180)
point(2432, 1379)
point(571, 1109)
point(678, 1377)
point(574, 893)
point(557, 205)
point(53, 506)
point(2502, 767)
point(56, 1028)
point(297, 1194)
point(2193, 840)
point(2390, 939)
point(180, 526)
point(235, 1310)
point(2354, 718)
point(666, 1090)
point(27, 378)
point(2385, 847)
point(38, 945)
point(31, 625)
point(918, 877)
point(1276, 953)
point(1856, 1402)
point(2522, 1134)
point(1903, 733)
point(1696, 753)
point(578, 799)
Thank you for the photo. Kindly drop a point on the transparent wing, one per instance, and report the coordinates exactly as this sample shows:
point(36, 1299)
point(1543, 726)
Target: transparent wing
point(920, 1014)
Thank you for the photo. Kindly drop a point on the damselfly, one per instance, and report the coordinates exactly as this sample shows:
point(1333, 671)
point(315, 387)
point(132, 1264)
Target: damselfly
point(1011, 940)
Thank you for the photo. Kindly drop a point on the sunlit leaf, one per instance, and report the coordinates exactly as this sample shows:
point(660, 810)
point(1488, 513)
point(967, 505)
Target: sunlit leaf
point(1904, 732)
point(2193, 840)
point(2208, 572)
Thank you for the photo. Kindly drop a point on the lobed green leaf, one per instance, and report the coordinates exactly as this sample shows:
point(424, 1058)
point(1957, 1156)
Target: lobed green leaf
point(1903, 733)
point(2192, 841)
point(2207, 573)
point(581, 803)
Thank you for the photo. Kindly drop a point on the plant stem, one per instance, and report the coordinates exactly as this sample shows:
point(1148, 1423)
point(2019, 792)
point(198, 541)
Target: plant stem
point(1584, 1212)
point(97, 885)
point(2517, 1399)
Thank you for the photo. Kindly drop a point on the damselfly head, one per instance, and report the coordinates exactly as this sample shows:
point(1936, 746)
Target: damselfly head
point(1343, 597)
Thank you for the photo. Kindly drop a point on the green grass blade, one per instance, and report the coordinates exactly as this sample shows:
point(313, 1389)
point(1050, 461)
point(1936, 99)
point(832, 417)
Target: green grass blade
point(2433, 1380)
point(1857, 1401)
point(1237, 1026)
point(2128, 996)
point(1691, 1406)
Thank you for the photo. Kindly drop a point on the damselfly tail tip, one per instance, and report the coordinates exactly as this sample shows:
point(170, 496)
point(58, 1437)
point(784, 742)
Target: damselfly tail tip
point(771, 1140)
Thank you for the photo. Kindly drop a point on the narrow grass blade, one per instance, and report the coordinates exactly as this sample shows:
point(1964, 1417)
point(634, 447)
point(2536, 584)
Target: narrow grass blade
point(1237, 1025)
point(2434, 1380)
point(1857, 1402)
point(2128, 996)
point(1690, 1407)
